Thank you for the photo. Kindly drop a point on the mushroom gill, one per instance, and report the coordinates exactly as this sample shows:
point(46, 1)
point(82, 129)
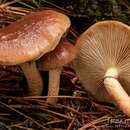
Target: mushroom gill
point(103, 62)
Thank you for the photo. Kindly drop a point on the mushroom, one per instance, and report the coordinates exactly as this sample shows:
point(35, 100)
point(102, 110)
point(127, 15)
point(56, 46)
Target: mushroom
point(29, 38)
point(103, 62)
point(53, 62)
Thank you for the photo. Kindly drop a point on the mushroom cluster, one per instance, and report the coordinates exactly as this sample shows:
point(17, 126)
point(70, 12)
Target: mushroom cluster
point(102, 59)
point(28, 39)
point(103, 62)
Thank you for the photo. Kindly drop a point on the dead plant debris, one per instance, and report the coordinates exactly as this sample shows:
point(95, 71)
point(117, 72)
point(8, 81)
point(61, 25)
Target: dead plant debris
point(76, 108)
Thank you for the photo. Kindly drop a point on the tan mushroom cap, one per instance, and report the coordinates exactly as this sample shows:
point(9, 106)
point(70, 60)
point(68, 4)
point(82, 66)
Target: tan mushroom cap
point(64, 53)
point(31, 36)
point(104, 45)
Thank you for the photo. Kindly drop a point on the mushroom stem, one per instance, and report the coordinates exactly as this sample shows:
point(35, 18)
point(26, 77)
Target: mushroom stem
point(34, 80)
point(54, 84)
point(116, 91)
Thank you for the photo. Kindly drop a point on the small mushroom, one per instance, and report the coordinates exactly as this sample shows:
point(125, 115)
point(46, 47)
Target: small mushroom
point(103, 62)
point(29, 38)
point(53, 62)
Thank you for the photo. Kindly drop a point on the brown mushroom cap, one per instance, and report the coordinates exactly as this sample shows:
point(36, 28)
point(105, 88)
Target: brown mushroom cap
point(104, 45)
point(31, 36)
point(64, 53)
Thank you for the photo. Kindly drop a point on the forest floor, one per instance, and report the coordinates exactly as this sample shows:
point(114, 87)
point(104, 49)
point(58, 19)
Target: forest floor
point(76, 108)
